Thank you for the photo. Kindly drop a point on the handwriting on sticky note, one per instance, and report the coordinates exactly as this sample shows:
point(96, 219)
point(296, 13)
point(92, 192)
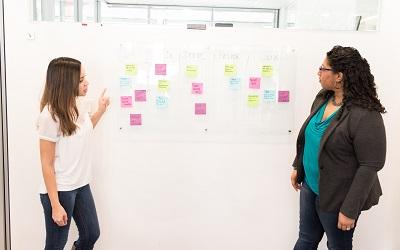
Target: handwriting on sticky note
point(140, 95)
point(161, 69)
point(253, 100)
point(162, 101)
point(130, 69)
point(197, 88)
point(254, 82)
point(136, 119)
point(163, 85)
point(191, 70)
point(200, 108)
point(267, 70)
point(230, 70)
point(283, 96)
point(126, 101)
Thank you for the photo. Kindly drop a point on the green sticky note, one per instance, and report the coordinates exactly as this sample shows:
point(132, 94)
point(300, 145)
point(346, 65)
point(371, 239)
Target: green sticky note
point(267, 70)
point(253, 100)
point(191, 70)
point(130, 69)
point(230, 70)
point(163, 85)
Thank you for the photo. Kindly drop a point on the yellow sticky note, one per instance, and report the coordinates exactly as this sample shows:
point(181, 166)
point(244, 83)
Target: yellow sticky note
point(230, 70)
point(267, 70)
point(163, 85)
point(191, 70)
point(253, 100)
point(130, 69)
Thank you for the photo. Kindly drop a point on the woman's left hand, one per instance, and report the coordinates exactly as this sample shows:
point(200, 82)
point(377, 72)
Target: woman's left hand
point(345, 223)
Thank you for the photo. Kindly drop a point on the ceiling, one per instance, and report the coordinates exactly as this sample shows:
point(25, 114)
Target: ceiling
point(273, 4)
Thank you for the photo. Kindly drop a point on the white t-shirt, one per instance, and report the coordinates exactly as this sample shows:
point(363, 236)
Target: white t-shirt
point(73, 154)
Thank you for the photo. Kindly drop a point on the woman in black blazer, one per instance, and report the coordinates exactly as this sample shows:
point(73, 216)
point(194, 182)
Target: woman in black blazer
point(340, 148)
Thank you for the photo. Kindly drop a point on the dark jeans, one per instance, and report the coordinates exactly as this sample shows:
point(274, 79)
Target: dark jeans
point(79, 205)
point(314, 223)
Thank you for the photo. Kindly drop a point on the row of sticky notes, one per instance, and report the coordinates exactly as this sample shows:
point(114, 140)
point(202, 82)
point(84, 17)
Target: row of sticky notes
point(136, 119)
point(193, 70)
point(159, 69)
point(140, 96)
point(269, 95)
point(231, 70)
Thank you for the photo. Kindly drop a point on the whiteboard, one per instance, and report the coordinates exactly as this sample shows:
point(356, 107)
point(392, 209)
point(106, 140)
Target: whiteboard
point(204, 92)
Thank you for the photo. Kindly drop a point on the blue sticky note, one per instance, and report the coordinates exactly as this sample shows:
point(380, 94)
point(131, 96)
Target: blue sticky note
point(234, 83)
point(125, 82)
point(269, 95)
point(162, 101)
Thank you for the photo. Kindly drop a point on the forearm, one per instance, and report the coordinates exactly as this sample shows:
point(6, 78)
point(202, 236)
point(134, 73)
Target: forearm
point(51, 184)
point(359, 191)
point(96, 117)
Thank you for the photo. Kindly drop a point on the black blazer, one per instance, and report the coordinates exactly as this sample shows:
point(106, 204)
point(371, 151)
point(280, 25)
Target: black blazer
point(352, 151)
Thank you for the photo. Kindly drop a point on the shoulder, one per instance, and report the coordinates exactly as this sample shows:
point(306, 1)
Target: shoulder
point(46, 117)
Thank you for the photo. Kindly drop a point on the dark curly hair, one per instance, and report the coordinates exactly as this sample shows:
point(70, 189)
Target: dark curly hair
point(358, 83)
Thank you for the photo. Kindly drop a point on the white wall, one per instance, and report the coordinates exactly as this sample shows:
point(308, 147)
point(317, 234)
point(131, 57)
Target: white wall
point(164, 195)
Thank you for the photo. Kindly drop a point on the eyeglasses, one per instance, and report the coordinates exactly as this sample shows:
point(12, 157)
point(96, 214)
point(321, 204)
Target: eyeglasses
point(324, 69)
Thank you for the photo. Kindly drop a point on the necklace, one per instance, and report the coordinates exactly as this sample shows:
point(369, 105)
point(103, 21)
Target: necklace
point(335, 103)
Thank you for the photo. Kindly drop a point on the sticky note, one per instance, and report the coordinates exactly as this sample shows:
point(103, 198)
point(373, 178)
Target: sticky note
point(191, 70)
point(253, 100)
point(254, 82)
point(283, 96)
point(163, 85)
point(200, 108)
point(160, 69)
point(197, 88)
point(130, 69)
point(125, 82)
point(162, 101)
point(234, 83)
point(230, 70)
point(267, 70)
point(140, 95)
point(269, 95)
point(126, 101)
point(136, 119)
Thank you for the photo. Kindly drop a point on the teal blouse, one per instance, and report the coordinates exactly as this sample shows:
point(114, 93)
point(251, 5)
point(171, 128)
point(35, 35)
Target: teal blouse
point(313, 134)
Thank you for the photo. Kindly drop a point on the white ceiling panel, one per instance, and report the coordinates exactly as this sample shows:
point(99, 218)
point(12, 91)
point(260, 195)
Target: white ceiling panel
point(273, 4)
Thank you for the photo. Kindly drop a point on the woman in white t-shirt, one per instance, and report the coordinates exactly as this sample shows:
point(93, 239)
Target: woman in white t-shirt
point(65, 152)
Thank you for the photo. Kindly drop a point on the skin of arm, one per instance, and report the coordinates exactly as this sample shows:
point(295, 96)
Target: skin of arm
point(47, 156)
point(104, 101)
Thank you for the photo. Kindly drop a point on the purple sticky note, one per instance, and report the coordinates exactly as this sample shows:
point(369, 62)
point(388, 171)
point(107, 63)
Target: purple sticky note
point(200, 108)
point(283, 96)
point(161, 69)
point(140, 95)
point(136, 119)
point(126, 101)
point(254, 82)
point(197, 88)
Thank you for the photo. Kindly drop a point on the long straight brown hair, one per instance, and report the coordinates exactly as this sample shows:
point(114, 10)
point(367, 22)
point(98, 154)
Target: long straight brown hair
point(60, 92)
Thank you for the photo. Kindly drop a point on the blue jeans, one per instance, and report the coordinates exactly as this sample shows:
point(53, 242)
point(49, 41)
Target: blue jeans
point(314, 223)
point(79, 205)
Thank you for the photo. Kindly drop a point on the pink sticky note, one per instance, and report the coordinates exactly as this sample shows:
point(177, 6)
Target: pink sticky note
point(140, 95)
point(283, 96)
point(200, 108)
point(197, 88)
point(161, 69)
point(136, 119)
point(126, 101)
point(254, 82)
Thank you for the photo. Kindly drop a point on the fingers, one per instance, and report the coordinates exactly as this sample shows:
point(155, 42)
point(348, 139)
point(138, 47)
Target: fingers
point(62, 220)
point(345, 227)
point(65, 219)
point(103, 93)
